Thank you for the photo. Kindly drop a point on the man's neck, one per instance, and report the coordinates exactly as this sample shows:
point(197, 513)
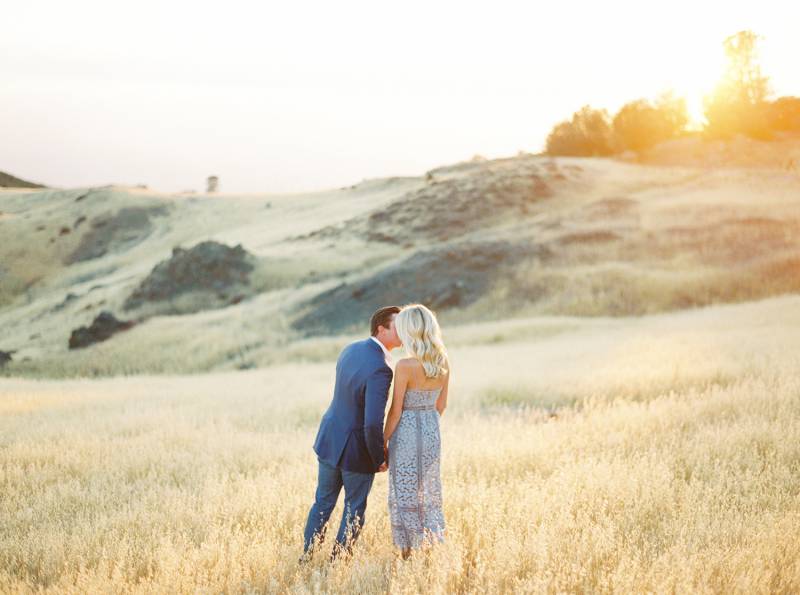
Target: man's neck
point(382, 344)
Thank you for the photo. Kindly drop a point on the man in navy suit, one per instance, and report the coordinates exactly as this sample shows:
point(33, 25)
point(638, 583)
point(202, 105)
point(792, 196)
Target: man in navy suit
point(349, 443)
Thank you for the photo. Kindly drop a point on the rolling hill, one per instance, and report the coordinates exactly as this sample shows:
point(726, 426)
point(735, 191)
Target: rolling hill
point(9, 181)
point(477, 241)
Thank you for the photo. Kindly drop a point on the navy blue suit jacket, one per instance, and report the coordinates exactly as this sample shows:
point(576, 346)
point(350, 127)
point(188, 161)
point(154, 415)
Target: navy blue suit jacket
point(350, 434)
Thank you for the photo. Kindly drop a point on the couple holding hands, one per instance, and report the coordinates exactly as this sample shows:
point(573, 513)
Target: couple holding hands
point(353, 443)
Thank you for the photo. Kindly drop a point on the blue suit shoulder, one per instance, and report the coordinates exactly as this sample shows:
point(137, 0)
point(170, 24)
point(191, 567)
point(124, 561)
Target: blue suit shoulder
point(367, 352)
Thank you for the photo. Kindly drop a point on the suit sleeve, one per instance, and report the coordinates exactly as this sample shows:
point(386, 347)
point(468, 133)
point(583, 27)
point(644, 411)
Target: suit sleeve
point(377, 394)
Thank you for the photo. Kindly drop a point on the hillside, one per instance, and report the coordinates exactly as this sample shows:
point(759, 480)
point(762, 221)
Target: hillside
point(9, 181)
point(526, 236)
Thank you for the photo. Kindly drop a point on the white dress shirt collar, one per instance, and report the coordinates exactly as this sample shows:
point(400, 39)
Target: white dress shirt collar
point(386, 352)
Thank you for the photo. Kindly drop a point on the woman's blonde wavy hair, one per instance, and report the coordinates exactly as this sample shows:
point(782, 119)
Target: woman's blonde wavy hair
point(421, 336)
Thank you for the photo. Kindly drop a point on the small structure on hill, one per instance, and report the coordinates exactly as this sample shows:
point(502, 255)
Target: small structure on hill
point(213, 184)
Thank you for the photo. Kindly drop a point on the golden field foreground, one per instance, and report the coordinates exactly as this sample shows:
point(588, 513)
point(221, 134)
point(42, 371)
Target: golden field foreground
point(652, 454)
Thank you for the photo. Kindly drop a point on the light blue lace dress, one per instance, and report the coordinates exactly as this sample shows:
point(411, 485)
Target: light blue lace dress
point(415, 484)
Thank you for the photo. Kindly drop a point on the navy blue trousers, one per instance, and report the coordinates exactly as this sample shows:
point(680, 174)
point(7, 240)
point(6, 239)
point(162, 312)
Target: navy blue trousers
point(330, 481)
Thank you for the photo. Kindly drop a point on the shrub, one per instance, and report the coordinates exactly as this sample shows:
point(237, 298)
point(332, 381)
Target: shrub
point(641, 124)
point(587, 134)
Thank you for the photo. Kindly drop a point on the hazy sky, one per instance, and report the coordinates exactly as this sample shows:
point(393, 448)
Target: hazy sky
point(290, 96)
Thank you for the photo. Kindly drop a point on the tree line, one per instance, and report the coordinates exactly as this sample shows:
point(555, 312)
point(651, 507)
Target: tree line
point(739, 104)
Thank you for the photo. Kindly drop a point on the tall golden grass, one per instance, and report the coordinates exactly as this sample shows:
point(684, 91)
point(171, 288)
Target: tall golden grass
point(658, 454)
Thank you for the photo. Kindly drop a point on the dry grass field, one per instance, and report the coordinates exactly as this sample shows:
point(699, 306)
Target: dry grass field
point(656, 454)
point(624, 412)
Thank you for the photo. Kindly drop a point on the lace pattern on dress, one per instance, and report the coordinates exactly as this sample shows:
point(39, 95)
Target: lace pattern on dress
point(415, 486)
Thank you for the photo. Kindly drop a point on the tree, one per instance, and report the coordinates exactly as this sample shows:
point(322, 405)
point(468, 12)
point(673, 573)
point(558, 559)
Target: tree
point(641, 124)
point(738, 103)
point(587, 134)
point(673, 113)
point(636, 125)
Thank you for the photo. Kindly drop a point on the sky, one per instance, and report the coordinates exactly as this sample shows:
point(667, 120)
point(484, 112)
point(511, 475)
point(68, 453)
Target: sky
point(300, 96)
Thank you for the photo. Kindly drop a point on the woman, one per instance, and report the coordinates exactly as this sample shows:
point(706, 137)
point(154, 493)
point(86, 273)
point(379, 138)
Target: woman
point(411, 435)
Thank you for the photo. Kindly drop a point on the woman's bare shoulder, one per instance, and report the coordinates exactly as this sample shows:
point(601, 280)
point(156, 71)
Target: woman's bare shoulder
point(408, 364)
point(409, 361)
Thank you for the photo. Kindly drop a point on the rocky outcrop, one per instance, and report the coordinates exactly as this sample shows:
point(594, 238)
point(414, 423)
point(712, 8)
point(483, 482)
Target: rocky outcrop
point(103, 327)
point(208, 275)
point(452, 276)
point(5, 357)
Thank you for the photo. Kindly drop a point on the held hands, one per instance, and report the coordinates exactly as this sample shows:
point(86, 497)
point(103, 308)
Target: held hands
point(385, 465)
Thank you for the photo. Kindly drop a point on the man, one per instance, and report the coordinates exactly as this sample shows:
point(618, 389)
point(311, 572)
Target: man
point(349, 443)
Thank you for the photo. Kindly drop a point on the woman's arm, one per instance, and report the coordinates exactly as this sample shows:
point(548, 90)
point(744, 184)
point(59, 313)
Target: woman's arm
point(441, 402)
point(396, 410)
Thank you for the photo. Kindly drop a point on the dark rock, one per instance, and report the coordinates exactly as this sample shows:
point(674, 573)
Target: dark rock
point(211, 269)
point(449, 277)
point(64, 231)
point(5, 357)
point(78, 221)
point(103, 327)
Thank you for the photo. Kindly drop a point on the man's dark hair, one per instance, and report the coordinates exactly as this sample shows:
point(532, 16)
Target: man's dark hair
point(382, 317)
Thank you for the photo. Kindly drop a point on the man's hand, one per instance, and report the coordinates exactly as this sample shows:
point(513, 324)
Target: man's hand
point(385, 465)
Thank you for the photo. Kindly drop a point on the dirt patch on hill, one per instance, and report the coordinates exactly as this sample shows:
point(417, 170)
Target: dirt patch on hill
point(442, 278)
point(597, 236)
point(115, 231)
point(611, 206)
point(208, 275)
